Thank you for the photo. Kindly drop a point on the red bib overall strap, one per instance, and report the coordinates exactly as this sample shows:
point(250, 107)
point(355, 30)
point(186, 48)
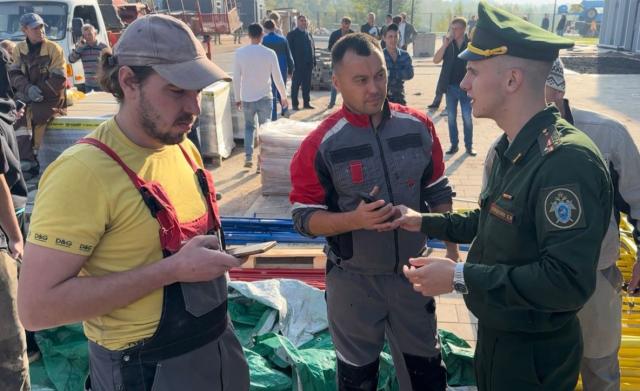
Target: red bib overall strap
point(158, 202)
point(194, 314)
point(208, 190)
point(137, 181)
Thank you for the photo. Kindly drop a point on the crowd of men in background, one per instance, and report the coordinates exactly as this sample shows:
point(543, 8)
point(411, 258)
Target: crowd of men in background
point(296, 59)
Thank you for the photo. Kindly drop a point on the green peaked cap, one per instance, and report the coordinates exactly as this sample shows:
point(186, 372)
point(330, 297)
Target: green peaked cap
point(499, 32)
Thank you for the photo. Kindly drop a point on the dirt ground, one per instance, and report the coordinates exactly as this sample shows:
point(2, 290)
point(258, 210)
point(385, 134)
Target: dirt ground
point(606, 63)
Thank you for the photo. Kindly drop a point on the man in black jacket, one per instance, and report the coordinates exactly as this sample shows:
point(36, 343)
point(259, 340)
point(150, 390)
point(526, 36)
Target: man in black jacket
point(345, 28)
point(304, 57)
point(370, 27)
point(453, 71)
point(13, 196)
point(545, 22)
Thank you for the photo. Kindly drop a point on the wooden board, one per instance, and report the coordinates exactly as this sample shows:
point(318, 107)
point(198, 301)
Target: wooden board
point(299, 258)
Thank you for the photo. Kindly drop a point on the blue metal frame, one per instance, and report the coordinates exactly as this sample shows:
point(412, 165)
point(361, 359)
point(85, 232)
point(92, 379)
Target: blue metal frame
point(242, 230)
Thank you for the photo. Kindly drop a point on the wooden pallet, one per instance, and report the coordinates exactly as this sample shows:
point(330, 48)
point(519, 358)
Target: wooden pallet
point(297, 258)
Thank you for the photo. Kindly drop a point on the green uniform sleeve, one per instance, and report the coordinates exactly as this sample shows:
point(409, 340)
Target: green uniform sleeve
point(570, 202)
point(452, 227)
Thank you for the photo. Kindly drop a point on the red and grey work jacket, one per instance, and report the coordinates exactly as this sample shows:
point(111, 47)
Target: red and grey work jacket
point(346, 156)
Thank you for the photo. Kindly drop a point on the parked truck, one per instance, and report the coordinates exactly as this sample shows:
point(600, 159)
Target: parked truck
point(205, 17)
point(64, 19)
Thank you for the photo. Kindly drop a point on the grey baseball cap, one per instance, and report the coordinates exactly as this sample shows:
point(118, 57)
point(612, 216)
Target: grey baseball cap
point(31, 20)
point(167, 45)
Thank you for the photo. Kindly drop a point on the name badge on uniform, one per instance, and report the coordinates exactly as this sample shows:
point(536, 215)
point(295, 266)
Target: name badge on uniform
point(501, 213)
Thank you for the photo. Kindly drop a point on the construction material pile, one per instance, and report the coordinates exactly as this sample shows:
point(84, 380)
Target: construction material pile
point(279, 141)
point(629, 354)
point(321, 75)
point(630, 348)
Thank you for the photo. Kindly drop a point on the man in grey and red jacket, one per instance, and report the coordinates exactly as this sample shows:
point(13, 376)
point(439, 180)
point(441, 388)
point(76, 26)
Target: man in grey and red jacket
point(372, 149)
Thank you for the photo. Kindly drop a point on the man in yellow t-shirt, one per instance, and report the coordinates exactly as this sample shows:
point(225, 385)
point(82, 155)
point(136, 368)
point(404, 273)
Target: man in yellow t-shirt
point(102, 246)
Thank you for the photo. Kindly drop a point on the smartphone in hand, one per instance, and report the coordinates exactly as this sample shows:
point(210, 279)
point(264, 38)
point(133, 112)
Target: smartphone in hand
point(20, 105)
point(366, 197)
point(251, 249)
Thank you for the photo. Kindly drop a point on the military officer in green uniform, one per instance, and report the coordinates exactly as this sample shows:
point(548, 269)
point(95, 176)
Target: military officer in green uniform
point(537, 233)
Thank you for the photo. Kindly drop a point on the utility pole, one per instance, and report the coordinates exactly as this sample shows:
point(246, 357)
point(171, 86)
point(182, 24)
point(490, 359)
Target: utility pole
point(412, 7)
point(553, 21)
point(255, 11)
point(390, 7)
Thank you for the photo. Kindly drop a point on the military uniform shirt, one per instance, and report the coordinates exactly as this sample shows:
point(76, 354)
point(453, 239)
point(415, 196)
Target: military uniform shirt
point(537, 234)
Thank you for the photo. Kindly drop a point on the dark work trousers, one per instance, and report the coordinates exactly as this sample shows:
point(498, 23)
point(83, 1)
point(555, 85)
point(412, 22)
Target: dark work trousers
point(363, 311)
point(509, 361)
point(301, 77)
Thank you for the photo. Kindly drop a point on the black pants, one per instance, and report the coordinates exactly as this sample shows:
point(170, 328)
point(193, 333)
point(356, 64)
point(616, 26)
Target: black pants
point(301, 77)
point(528, 361)
point(437, 99)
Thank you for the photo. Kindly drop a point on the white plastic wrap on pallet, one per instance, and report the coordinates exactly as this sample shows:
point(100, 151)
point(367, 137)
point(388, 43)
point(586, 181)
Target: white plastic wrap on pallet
point(279, 141)
point(216, 126)
point(237, 118)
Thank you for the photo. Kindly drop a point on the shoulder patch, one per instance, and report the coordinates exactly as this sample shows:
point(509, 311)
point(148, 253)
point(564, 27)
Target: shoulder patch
point(548, 140)
point(562, 208)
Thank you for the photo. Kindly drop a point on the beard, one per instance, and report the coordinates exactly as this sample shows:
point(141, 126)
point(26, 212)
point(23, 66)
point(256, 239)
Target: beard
point(149, 116)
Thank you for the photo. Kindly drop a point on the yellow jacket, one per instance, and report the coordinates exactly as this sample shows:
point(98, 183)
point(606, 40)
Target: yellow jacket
point(47, 71)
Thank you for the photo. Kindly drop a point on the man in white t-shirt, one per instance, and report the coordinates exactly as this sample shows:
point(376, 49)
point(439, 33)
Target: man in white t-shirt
point(255, 66)
point(407, 32)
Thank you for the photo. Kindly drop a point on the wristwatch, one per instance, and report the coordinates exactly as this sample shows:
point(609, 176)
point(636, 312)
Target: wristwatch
point(458, 279)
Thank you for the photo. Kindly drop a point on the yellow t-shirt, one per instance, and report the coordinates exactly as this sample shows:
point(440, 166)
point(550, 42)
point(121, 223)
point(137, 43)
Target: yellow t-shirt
point(87, 205)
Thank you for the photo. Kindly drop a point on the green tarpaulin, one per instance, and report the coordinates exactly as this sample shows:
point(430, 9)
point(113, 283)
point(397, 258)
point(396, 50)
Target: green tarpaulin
point(275, 362)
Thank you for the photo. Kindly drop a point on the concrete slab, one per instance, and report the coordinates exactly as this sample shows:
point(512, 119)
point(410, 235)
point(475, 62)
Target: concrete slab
point(447, 312)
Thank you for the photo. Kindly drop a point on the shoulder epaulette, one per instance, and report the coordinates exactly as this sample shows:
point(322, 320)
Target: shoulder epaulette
point(548, 140)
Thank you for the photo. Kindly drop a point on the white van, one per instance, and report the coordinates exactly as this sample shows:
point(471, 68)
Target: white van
point(63, 17)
